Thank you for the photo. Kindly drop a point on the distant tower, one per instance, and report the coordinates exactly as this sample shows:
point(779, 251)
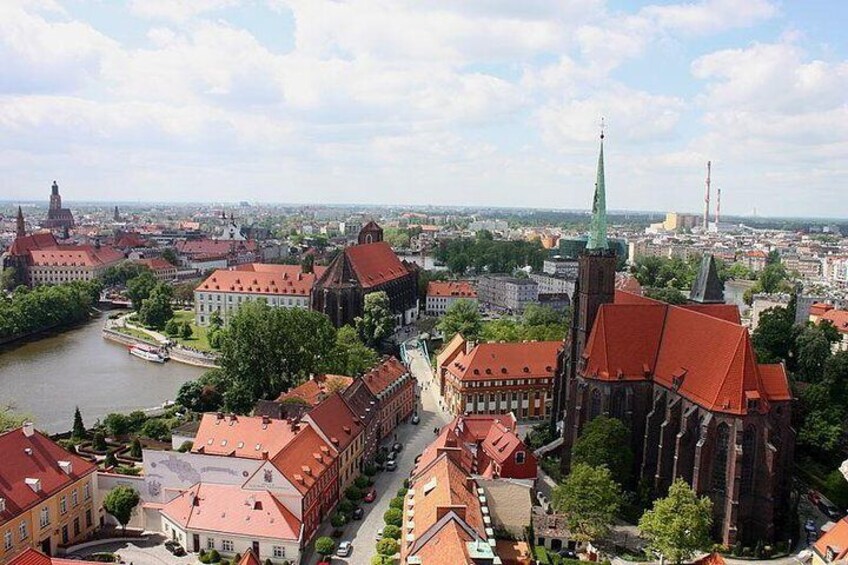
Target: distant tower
point(707, 200)
point(55, 199)
point(718, 206)
point(117, 215)
point(21, 227)
point(370, 233)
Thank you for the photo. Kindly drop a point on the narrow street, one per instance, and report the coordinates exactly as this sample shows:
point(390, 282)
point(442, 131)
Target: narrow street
point(414, 439)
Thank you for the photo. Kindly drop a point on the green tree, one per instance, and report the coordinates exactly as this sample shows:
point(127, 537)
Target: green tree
point(9, 420)
point(814, 349)
point(392, 532)
point(353, 494)
point(172, 328)
point(589, 499)
point(98, 442)
point(667, 295)
point(120, 274)
point(140, 287)
point(774, 337)
point(678, 525)
point(325, 546)
point(78, 431)
point(824, 424)
point(350, 356)
point(387, 547)
point(8, 279)
point(605, 441)
point(377, 321)
point(117, 424)
point(338, 520)
point(169, 255)
point(156, 428)
point(156, 310)
point(110, 461)
point(462, 317)
point(215, 321)
point(186, 332)
point(396, 502)
point(120, 503)
point(135, 448)
point(393, 517)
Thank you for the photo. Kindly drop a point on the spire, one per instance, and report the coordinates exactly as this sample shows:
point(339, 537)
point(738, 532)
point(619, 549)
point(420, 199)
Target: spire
point(598, 226)
point(21, 231)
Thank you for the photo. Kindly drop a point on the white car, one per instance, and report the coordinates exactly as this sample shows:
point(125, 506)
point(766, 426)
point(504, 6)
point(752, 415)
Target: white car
point(344, 549)
point(379, 534)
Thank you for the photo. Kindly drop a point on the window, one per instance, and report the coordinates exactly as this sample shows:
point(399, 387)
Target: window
point(23, 530)
point(7, 541)
point(519, 457)
point(227, 545)
point(279, 551)
point(88, 518)
point(74, 498)
point(210, 543)
point(44, 519)
point(87, 491)
point(63, 505)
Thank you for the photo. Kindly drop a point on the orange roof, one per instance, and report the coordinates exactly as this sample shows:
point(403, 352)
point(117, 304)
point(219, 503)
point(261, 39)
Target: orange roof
point(213, 246)
point(31, 556)
point(317, 388)
point(451, 289)
point(446, 547)
point(514, 552)
point(258, 278)
point(375, 263)
point(336, 421)
point(756, 253)
point(157, 264)
point(488, 361)
point(819, 308)
point(75, 256)
point(500, 443)
point(23, 245)
point(839, 319)
point(450, 351)
point(304, 459)
point(249, 558)
point(450, 443)
point(248, 437)
point(835, 540)
point(384, 374)
point(233, 510)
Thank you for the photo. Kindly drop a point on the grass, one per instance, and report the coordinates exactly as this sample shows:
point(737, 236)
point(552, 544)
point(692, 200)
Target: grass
point(132, 332)
point(200, 336)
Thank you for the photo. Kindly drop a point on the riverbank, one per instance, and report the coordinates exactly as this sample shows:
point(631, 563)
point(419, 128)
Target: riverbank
point(49, 331)
point(121, 331)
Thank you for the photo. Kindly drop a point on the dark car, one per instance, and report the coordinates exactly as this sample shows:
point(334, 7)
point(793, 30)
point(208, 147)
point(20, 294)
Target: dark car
point(830, 510)
point(397, 447)
point(170, 545)
point(358, 513)
point(568, 554)
point(179, 551)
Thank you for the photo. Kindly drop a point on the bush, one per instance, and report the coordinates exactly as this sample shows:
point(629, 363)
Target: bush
point(393, 517)
point(387, 547)
point(338, 520)
point(214, 556)
point(324, 546)
point(402, 491)
point(380, 560)
point(361, 482)
point(346, 507)
point(370, 470)
point(237, 558)
point(186, 446)
point(396, 502)
point(156, 428)
point(98, 443)
point(406, 483)
point(268, 562)
point(391, 532)
point(353, 494)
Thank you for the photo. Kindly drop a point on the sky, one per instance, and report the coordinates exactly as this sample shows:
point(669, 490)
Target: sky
point(443, 102)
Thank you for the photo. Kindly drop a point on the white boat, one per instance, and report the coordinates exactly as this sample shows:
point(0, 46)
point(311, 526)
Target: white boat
point(147, 353)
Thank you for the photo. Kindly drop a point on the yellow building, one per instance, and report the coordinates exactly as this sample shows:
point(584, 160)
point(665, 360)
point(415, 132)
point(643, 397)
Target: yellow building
point(338, 425)
point(46, 494)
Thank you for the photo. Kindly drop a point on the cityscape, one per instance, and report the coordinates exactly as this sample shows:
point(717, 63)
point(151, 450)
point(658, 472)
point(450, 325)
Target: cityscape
point(372, 283)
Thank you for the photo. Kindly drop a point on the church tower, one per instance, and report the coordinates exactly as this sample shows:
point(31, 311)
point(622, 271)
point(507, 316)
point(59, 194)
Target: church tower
point(595, 286)
point(55, 199)
point(21, 227)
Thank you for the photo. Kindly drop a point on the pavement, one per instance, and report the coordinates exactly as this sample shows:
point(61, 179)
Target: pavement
point(145, 551)
point(363, 533)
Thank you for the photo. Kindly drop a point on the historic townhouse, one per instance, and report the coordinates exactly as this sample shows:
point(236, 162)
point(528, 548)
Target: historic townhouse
point(364, 405)
point(46, 494)
point(394, 387)
point(441, 295)
point(497, 378)
point(338, 426)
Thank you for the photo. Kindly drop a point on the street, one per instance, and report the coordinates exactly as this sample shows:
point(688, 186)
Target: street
point(414, 439)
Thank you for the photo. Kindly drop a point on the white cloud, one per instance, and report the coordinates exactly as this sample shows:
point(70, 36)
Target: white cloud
point(710, 16)
point(177, 10)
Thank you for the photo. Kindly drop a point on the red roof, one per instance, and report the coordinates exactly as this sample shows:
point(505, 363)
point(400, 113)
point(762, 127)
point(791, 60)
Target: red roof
point(836, 540)
point(157, 264)
point(305, 459)
point(230, 509)
point(317, 388)
point(384, 374)
point(705, 358)
point(336, 421)
point(76, 255)
point(839, 319)
point(375, 263)
point(23, 245)
point(451, 289)
point(486, 361)
point(31, 556)
point(213, 246)
point(248, 437)
point(249, 558)
point(39, 461)
point(819, 308)
point(258, 278)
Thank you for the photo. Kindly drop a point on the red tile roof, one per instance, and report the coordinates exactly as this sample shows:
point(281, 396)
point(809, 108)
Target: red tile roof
point(336, 421)
point(317, 388)
point(31, 556)
point(451, 289)
point(819, 308)
point(384, 374)
point(248, 437)
point(488, 361)
point(213, 246)
point(156, 264)
point(258, 278)
point(450, 351)
point(375, 263)
point(249, 558)
point(839, 319)
point(447, 546)
point(305, 459)
point(76, 255)
point(230, 509)
point(34, 458)
point(835, 539)
point(32, 242)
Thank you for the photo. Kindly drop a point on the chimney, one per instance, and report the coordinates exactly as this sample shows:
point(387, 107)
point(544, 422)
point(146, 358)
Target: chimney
point(29, 429)
point(266, 420)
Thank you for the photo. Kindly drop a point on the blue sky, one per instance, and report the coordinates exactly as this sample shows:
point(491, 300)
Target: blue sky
point(492, 102)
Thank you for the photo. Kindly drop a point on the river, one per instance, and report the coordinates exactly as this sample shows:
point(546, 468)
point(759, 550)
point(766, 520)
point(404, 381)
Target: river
point(48, 378)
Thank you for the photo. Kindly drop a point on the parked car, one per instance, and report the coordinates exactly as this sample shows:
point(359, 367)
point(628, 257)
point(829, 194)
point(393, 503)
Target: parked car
point(179, 551)
point(358, 513)
point(415, 419)
point(379, 535)
point(344, 549)
point(391, 465)
point(170, 545)
point(568, 554)
point(830, 510)
point(371, 495)
point(391, 457)
point(397, 447)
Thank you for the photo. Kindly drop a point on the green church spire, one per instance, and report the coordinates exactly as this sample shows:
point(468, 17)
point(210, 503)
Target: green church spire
point(598, 226)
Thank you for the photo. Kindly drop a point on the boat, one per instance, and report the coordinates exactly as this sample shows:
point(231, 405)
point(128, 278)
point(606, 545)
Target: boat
point(148, 353)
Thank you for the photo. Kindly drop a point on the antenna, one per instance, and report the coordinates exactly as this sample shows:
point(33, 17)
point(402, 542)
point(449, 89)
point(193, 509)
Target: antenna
point(707, 200)
point(603, 125)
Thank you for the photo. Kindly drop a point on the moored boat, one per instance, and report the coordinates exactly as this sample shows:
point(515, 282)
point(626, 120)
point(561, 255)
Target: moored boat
point(148, 353)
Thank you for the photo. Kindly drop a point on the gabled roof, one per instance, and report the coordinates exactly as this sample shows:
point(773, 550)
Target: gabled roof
point(488, 361)
point(248, 437)
point(249, 558)
point(707, 288)
point(31, 556)
point(451, 350)
point(361, 401)
point(230, 509)
point(156, 264)
point(32, 242)
point(336, 421)
point(258, 278)
point(446, 545)
point(75, 255)
point(33, 469)
point(383, 375)
point(375, 263)
point(835, 540)
point(304, 459)
point(451, 289)
point(317, 388)
point(839, 319)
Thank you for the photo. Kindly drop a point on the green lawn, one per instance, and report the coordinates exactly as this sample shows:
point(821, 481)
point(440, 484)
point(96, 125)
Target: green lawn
point(199, 339)
point(132, 332)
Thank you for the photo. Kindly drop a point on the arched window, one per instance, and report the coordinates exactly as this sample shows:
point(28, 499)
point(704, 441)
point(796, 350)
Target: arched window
point(720, 458)
point(595, 404)
point(617, 403)
point(749, 459)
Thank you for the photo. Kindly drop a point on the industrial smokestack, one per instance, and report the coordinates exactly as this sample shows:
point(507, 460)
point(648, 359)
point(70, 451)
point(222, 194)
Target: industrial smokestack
point(707, 200)
point(718, 207)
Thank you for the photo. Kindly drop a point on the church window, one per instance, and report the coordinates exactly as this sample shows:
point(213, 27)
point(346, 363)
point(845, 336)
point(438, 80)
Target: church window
point(749, 459)
point(720, 458)
point(595, 404)
point(617, 404)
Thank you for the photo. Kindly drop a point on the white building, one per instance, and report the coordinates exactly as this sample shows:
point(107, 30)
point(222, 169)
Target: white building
point(441, 295)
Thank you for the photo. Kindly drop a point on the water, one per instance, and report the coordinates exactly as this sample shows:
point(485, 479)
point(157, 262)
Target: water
point(48, 378)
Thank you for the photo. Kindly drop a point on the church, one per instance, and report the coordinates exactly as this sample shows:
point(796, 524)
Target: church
point(685, 381)
point(58, 218)
point(369, 266)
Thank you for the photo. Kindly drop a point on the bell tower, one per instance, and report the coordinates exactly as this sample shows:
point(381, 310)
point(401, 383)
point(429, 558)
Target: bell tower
point(21, 227)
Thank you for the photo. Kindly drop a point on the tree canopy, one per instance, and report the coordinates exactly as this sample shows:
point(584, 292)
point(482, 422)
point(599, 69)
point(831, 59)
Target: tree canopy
point(120, 503)
point(774, 337)
point(377, 321)
point(350, 356)
point(462, 317)
point(140, 287)
point(485, 254)
point(539, 323)
point(589, 499)
point(605, 441)
point(27, 311)
point(678, 525)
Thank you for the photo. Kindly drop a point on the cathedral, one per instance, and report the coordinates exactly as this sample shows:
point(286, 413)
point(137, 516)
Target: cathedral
point(58, 217)
point(369, 266)
point(685, 381)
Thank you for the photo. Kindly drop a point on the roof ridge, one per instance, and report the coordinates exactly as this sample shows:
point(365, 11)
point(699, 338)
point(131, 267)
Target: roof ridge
point(740, 345)
point(662, 337)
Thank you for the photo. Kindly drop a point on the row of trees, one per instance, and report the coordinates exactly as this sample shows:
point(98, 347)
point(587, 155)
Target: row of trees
point(592, 496)
point(536, 323)
point(485, 254)
point(27, 311)
point(266, 350)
